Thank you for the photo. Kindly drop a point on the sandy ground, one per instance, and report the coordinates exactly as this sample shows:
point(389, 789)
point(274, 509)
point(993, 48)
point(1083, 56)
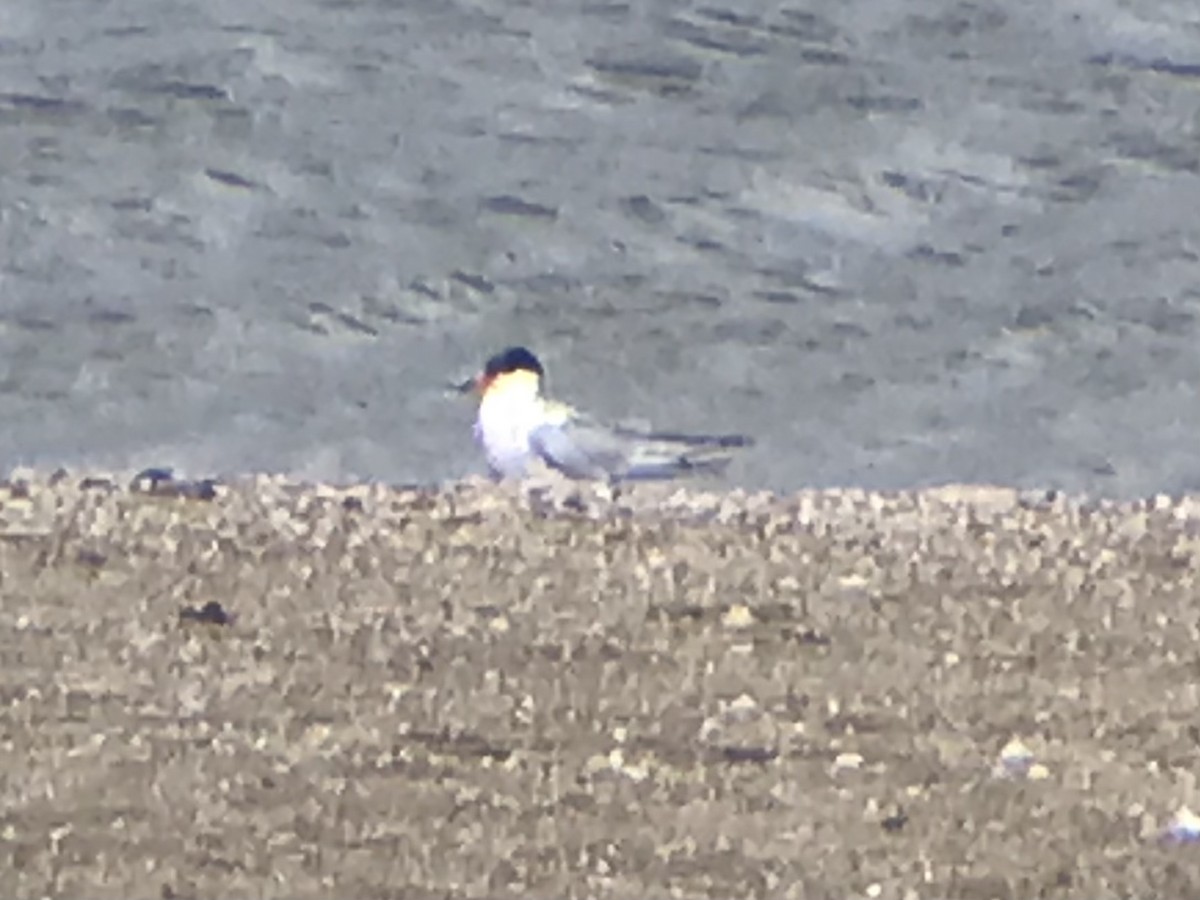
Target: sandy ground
point(302, 691)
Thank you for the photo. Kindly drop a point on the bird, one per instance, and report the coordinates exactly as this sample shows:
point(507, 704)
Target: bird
point(522, 433)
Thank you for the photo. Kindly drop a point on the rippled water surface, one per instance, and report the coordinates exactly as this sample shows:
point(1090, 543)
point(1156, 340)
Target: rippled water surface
point(902, 243)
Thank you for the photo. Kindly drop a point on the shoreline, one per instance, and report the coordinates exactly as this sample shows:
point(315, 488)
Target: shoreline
point(558, 492)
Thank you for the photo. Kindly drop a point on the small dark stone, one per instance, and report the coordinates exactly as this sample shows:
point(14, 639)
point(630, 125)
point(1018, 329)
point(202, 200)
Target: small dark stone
point(211, 613)
point(816, 638)
point(92, 559)
point(749, 754)
point(161, 482)
point(205, 489)
point(148, 481)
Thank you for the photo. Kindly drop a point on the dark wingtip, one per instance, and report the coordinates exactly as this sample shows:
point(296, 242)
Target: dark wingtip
point(733, 441)
point(714, 441)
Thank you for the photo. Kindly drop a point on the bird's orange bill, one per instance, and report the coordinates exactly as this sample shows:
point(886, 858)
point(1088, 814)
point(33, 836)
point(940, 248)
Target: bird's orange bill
point(476, 384)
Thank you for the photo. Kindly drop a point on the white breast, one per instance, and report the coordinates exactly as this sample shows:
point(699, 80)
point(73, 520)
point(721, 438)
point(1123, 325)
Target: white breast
point(503, 429)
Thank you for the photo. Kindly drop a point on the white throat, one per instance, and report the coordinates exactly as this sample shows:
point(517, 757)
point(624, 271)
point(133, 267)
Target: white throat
point(508, 412)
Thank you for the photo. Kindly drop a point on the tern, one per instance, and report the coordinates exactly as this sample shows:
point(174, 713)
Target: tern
point(522, 432)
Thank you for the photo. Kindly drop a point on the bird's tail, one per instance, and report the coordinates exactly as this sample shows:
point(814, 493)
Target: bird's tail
point(663, 455)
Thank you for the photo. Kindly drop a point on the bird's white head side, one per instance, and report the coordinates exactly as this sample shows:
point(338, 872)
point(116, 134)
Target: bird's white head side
point(510, 408)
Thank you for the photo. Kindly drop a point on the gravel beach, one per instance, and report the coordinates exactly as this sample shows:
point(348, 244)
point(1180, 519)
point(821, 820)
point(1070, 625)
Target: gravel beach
point(266, 689)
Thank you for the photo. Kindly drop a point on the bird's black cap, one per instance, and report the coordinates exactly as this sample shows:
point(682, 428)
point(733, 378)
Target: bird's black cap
point(514, 359)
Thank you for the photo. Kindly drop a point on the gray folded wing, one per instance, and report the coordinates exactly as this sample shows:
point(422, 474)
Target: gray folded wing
point(581, 449)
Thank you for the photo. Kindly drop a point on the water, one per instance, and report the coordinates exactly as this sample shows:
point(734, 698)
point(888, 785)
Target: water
point(902, 243)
